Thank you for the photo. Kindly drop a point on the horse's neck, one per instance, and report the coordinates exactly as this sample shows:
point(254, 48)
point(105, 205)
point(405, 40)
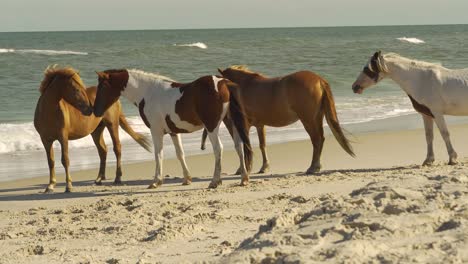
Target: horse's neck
point(137, 88)
point(404, 75)
point(49, 103)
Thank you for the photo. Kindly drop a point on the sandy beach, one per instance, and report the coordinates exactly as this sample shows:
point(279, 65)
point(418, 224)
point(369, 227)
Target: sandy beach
point(381, 207)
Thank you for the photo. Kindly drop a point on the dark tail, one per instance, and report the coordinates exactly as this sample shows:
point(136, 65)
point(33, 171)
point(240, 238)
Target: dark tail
point(240, 123)
point(203, 139)
point(332, 118)
point(139, 138)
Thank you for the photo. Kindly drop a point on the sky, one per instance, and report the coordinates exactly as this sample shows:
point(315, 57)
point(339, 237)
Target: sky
point(65, 15)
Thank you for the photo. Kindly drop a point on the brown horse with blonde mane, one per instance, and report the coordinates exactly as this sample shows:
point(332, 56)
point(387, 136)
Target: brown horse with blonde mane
point(64, 112)
point(281, 101)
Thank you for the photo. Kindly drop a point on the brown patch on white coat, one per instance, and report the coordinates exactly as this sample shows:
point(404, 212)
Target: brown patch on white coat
point(173, 108)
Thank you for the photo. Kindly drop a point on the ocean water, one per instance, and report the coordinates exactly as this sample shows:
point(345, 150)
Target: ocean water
point(337, 54)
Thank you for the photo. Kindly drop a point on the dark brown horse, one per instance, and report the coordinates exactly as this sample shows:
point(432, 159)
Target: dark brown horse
point(281, 101)
point(64, 112)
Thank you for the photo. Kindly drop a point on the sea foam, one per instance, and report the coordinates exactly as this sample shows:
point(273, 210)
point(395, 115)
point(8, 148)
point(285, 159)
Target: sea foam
point(200, 45)
point(24, 137)
point(411, 40)
point(43, 52)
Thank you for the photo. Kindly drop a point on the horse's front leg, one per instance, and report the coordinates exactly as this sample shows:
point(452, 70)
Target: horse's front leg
point(230, 127)
point(181, 157)
point(440, 121)
point(240, 152)
point(158, 156)
point(51, 161)
point(429, 129)
point(114, 133)
point(66, 163)
point(218, 153)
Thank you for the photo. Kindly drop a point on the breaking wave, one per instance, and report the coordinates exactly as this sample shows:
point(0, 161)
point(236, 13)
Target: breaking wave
point(200, 45)
point(43, 52)
point(411, 40)
point(23, 137)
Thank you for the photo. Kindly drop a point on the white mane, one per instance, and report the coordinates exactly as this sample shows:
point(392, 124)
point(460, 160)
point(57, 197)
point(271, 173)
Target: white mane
point(411, 62)
point(148, 76)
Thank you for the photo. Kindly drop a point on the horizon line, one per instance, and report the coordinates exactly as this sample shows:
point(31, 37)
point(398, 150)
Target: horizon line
point(228, 28)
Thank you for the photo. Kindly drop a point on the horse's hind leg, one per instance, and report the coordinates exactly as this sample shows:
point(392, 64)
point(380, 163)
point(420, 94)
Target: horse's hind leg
point(102, 151)
point(440, 121)
point(66, 163)
point(181, 157)
point(261, 138)
point(429, 129)
point(218, 153)
point(315, 130)
point(51, 161)
point(114, 133)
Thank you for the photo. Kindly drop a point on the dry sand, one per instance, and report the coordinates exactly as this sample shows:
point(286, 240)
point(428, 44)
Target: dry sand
point(357, 210)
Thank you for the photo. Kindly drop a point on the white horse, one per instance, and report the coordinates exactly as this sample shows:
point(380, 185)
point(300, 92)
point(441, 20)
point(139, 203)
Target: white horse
point(168, 107)
point(434, 91)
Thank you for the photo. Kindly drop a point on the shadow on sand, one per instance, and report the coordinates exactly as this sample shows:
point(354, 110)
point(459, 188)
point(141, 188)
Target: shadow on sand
point(40, 195)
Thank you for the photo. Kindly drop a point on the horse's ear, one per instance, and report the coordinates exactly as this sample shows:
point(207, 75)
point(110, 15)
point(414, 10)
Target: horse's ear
point(220, 71)
point(377, 54)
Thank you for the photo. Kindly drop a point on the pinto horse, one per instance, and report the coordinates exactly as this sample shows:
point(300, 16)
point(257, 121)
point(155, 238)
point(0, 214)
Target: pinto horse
point(64, 112)
point(168, 107)
point(281, 101)
point(434, 91)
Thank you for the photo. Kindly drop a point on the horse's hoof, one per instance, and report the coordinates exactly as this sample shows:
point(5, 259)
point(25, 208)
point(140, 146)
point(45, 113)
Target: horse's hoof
point(187, 181)
point(244, 183)
point(154, 185)
point(453, 162)
point(49, 190)
point(428, 163)
point(263, 170)
point(118, 182)
point(313, 170)
point(98, 183)
point(214, 185)
point(238, 172)
point(68, 190)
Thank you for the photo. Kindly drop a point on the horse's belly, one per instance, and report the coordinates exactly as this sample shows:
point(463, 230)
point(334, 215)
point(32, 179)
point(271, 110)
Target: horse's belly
point(274, 119)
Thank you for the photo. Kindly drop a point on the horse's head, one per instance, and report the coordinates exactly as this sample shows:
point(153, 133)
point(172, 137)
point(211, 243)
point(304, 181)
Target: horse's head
point(372, 73)
point(110, 86)
point(73, 92)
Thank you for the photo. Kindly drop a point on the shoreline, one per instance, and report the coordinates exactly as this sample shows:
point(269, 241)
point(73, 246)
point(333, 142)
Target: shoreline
point(366, 145)
point(84, 159)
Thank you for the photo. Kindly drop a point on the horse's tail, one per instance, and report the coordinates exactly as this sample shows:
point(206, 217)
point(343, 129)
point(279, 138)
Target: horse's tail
point(139, 138)
point(239, 120)
point(203, 139)
point(332, 119)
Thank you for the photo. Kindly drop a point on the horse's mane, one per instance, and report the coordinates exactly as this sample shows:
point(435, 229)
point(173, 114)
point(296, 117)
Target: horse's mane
point(243, 68)
point(149, 75)
point(414, 63)
point(51, 72)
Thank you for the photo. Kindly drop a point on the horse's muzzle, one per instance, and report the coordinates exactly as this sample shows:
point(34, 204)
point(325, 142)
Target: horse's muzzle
point(88, 111)
point(358, 89)
point(98, 112)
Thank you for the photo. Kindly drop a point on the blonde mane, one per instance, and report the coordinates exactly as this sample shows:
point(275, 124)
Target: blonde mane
point(149, 75)
point(52, 71)
point(243, 68)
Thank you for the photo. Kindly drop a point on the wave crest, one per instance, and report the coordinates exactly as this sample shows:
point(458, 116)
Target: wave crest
point(200, 45)
point(411, 40)
point(43, 52)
